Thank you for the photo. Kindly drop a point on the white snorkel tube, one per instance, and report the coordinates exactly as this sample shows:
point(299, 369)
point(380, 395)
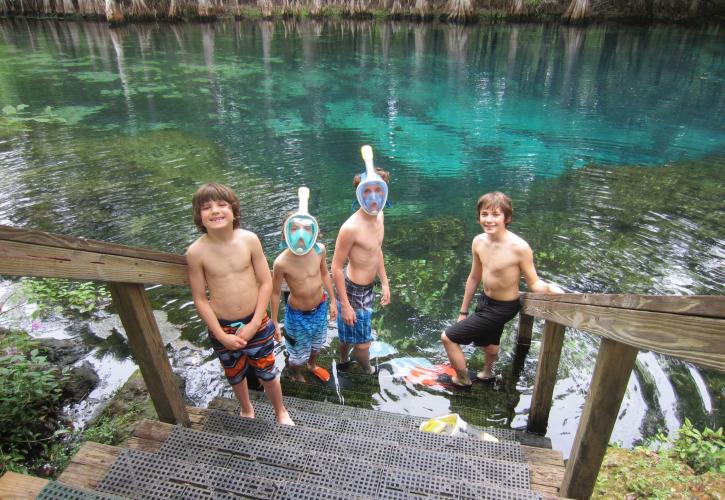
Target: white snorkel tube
point(372, 192)
point(300, 228)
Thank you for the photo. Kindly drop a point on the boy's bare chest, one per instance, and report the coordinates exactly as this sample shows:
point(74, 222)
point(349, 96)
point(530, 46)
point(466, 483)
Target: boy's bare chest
point(498, 259)
point(303, 269)
point(233, 261)
point(369, 239)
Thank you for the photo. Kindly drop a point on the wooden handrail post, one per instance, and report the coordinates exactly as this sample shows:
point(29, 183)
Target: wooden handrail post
point(138, 320)
point(526, 327)
point(551, 345)
point(609, 382)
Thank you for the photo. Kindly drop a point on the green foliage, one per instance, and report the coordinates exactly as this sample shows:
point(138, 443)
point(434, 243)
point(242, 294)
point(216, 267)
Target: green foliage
point(703, 451)
point(113, 430)
point(30, 394)
point(68, 115)
point(57, 296)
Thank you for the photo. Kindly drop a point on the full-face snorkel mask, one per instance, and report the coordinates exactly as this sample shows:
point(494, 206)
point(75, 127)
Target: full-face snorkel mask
point(300, 228)
point(372, 192)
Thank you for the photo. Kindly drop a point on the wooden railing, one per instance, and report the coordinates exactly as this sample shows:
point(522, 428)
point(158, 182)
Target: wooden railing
point(690, 328)
point(125, 269)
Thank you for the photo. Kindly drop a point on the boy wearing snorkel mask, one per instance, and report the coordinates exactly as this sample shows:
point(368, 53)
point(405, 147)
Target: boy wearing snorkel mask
point(228, 263)
point(303, 265)
point(360, 244)
point(499, 260)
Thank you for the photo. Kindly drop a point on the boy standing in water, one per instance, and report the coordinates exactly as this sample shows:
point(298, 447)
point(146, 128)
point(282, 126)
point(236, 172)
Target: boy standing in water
point(303, 265)
point(360, 242)
point(229, 263)
point(499, 259)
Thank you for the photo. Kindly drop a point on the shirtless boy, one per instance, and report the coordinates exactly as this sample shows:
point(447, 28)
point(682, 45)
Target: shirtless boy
point(499, 259)
point(229, 263)
point(359, 243)
point(303, 265)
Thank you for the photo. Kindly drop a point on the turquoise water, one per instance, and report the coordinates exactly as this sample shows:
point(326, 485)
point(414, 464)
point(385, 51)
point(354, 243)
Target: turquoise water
point(609, 139)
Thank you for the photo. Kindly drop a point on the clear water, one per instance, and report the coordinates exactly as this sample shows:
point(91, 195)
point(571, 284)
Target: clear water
point(610, 140)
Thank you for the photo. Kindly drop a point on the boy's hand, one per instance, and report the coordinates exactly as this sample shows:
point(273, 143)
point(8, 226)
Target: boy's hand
point(245, 333)
point(332, 310)
point(348, 314)
point(277, 332)
point(385, 299)
point(461, 317)
point(232, 342)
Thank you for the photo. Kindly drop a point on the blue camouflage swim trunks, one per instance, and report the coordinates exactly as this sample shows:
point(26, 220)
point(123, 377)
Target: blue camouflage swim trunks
point(305, 331)
point(361, 299)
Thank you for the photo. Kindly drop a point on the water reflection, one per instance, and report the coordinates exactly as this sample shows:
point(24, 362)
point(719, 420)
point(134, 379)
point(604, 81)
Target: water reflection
point(609, 139)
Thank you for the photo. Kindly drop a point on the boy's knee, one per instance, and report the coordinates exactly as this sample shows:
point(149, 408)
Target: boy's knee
point(490, 349)
point(444, 338)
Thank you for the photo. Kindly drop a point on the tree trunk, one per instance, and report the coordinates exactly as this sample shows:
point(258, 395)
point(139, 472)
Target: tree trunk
point(421, 9)
point(459, 11)
point(205, 9)
point(316, 9)
point(517, 7)
point(578, 10)
point(114, 14)
point(266, 7)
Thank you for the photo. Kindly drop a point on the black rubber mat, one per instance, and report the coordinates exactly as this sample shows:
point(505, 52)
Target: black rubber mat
point(57, 491)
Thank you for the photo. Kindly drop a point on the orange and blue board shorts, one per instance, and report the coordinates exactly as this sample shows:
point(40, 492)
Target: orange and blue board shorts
point(258, 355)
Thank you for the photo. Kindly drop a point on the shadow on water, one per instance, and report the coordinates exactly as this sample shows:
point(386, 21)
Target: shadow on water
point(609, 140)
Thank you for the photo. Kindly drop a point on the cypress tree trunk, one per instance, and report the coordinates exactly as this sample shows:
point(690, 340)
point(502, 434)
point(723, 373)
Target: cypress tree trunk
point(578, 10)
point(421, 8)
point(205, 9)
point(316, 8)
point(266, 7)
point(459, 10)
point(517, 7)
point(114, 14)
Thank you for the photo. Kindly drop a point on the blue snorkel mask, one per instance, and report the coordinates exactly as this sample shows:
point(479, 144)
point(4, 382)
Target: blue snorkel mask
point(372, 192)
point(301, 229)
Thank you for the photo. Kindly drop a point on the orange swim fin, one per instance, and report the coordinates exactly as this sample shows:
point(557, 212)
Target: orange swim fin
point(321, 373)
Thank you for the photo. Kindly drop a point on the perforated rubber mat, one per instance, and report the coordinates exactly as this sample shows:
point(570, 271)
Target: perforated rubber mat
point(142, 475)
point(319, 413)
point(231, 425)
point(57, 491)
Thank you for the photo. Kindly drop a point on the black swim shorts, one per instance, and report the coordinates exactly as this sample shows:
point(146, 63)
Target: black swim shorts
point(485, 326)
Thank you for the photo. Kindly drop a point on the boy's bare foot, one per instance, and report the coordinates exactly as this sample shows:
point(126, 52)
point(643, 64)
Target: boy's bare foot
point(284, 418)
point(298, 378)
point(246, 414)
point(461, 379)
point(370, 370)
point(485, 376)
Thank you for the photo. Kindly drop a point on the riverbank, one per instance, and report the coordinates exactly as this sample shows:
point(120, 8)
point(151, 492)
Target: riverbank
point(459, 11)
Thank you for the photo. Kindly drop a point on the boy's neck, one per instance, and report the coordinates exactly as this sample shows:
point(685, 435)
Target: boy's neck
point(499, 236)
point(221, 234)
point(367, 216)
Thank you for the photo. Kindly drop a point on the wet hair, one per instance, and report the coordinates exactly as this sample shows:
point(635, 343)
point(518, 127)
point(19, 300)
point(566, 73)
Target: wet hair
point(214, 192)
point(384, 174)
point(496, 199)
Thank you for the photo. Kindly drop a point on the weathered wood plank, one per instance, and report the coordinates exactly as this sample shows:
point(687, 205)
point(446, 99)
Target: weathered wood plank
point(543, 456)
point(526, 328)
point(696, 339)
point(24, 259)
point(609, 382)
point(548, 366)
point(14, 486)
point(88, 467)
point(134, 308)
point(712, 306)
point(8, 233)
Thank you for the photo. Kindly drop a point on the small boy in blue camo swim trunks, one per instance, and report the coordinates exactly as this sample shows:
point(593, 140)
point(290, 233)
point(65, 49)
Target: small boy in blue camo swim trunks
point(303, 266)
point(360, 246)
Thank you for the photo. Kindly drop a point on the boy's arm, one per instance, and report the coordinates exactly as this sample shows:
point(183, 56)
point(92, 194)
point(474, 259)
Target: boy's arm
point(343, 245)
point(327, 284)
point(472, 282)
point(533, 282)
point(197, 283)
point(264, 280)
point(385, 299)
point(277, 277)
